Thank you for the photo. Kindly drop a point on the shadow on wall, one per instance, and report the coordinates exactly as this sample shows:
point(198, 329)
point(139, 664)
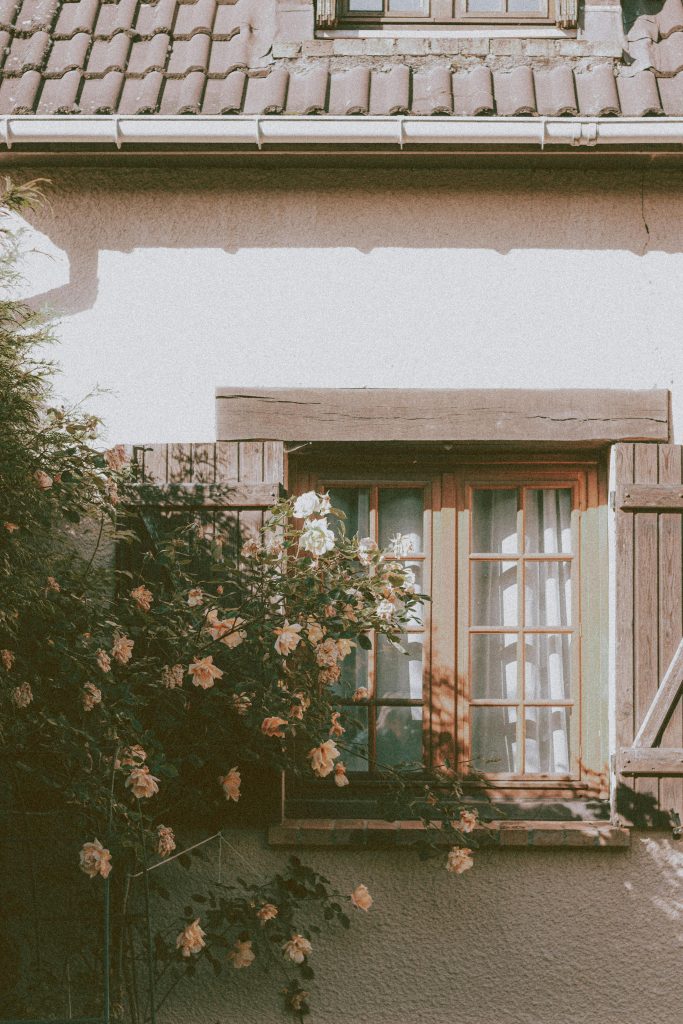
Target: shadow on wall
point(632, 9)
point(635, 210)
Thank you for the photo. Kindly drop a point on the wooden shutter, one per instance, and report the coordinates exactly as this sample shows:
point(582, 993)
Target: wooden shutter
point(566, 13)
point(326, 13)
point(649, 623)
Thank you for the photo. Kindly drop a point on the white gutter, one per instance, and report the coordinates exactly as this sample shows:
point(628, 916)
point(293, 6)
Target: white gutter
point(263, 131)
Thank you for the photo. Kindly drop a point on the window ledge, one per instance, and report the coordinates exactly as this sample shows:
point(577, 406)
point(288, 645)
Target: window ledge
point(344, 833)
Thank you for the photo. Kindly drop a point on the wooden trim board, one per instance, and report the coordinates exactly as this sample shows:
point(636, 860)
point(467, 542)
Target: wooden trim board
point(573, 416)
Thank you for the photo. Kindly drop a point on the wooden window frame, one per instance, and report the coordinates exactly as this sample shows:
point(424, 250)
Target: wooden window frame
point(446, 667)
point(441, 12)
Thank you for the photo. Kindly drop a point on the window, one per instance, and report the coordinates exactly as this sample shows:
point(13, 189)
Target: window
point(362, 12)
point(505, 667)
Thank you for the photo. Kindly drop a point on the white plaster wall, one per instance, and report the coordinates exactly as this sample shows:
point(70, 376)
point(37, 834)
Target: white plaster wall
point(174, 282)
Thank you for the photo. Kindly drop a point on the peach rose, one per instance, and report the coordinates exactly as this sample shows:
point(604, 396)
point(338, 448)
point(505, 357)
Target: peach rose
point(166, 838)
point(250, 549)
point(361, 898)
point(327, 653)
point(7, 659)
point(142, 783)
point(273, 727)
point(297, 948)
point(329, 675)
point(143, 598)
point(242, 954)
point(22, 695)
point(44, 480)
point(228, 631)
point(362, 693)
point(267, 912)
point(468, 821)
point(459, 860)
point(287, 638)
point(204, 672)
point(195, 597)
point(92, 696)
point(10, 527)
point(340, 777)
point(191, 939)
point(103, 660)
point(52, 584)
point(122, 649)
point(336, 728)
point(132, 756)
point(231, 784)
point(323, 757)
point(315, 631)
point(95, 860)
point(116, 458)
point(344, 648)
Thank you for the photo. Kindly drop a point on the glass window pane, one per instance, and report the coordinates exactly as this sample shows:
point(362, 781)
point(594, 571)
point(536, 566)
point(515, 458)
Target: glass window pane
point(494, 593)
point(399, 735)
point(409, 6)
point(416, 613)
point(485, 6)
point(528, 7)
point(354, 502)
point(494, 666)
point(494, 739)
point(547, 667)
point(354, 673)
point(353, 745)
point(548, 520)
point(400, 675)
point(547, 744)
point(401, 512)
point(494, 522)
point(365, 6)
point(548, 594)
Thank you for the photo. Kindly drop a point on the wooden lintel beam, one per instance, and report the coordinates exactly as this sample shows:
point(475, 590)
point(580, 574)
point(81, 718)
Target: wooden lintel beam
point(574, 416)
point(237, 495)
point(651, 498)
point(651, 761)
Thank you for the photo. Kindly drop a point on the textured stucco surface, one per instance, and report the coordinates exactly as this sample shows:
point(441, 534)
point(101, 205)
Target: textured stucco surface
point(174, 281)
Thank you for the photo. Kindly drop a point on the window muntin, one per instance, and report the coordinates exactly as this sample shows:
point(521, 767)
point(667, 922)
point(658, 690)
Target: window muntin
point(387, 729)
point(361, 12)
point(523, 679)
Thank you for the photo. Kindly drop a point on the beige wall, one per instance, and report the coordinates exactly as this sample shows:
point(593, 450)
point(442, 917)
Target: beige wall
point(173, 282)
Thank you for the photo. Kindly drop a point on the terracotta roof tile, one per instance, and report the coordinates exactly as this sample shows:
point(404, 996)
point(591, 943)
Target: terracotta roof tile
point(27, 52)
point(670, 18)
point(514, 92)
point(141, 95)
point(189, 55)
point(229, 54)
point(18, 95)
point(5, 39)
point(36, 16)
point(473, 93)
point(555, 92)
point(668, 57)
point(101, 95)
point(638, 95)
point(390, 90)
point(8, 10)
point(183, 95)
point(350, 91)
point(109, 54)
point(76, 17)
point(307, 92)
point(67, 55)
point(671, 92)
point(59, 94)
point(266, 95)
point(228, 20)
point(149, 55)
point(597, 92)
point(433, 92)
point(194, 17)
point(116, 17)
point(225, 95)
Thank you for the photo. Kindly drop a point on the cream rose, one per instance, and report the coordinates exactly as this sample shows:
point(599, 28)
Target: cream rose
point(316, 537)
point(306, 505)
point(297, 948)
point(142, 783)
point(366, 549)
point(231, 784)
point(327, 653)
point(191, 939)
point(361, 898)
point(287, 638)
point(385, 610)
point(267, 912)
point(242, 954)
point(204, 672)
point(195, 597)
point(94, 860)
point(340, 777)
point(361, 693)
point(459, 860)
point(315, 631)
point(344, 648)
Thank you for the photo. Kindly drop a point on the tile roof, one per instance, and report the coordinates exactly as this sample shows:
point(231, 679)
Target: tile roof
point(211, 57)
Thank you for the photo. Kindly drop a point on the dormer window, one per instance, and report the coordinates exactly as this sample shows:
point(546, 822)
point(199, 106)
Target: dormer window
point(362, 13)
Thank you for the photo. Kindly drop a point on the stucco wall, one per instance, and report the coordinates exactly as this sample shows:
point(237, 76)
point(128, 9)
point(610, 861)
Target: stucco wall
point(175, 281)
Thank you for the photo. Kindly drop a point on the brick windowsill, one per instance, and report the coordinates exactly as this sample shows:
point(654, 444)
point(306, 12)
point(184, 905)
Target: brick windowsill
point(345, 833)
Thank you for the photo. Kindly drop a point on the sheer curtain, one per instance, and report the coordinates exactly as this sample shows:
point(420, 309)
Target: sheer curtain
point(496, 657)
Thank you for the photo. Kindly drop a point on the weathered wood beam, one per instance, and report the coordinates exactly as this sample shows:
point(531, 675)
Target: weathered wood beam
point(662, 707)
point(574, 416)
point(651, 498)
point(237, 494)
point(651, 761)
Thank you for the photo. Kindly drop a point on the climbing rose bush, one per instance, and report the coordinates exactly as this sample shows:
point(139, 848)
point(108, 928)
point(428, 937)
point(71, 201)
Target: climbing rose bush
point(161, 691)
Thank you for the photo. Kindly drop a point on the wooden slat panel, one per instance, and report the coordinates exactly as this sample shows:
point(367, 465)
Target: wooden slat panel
point(587, 416)
point(273, 462)
point(179, 463)
point(646, 602)
point(625, 524)
point(251, 471)
point(154, 467)
point(227, 461)
point(203, 463)
point(663, 497)
point(231, 494)
point(671, 606)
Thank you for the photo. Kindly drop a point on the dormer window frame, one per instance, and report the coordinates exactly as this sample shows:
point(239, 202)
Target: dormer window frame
point(440, 13)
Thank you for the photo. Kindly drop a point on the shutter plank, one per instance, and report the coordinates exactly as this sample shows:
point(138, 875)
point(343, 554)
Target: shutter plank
point(646, 606)
point(625, 525)
point(670, 608)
